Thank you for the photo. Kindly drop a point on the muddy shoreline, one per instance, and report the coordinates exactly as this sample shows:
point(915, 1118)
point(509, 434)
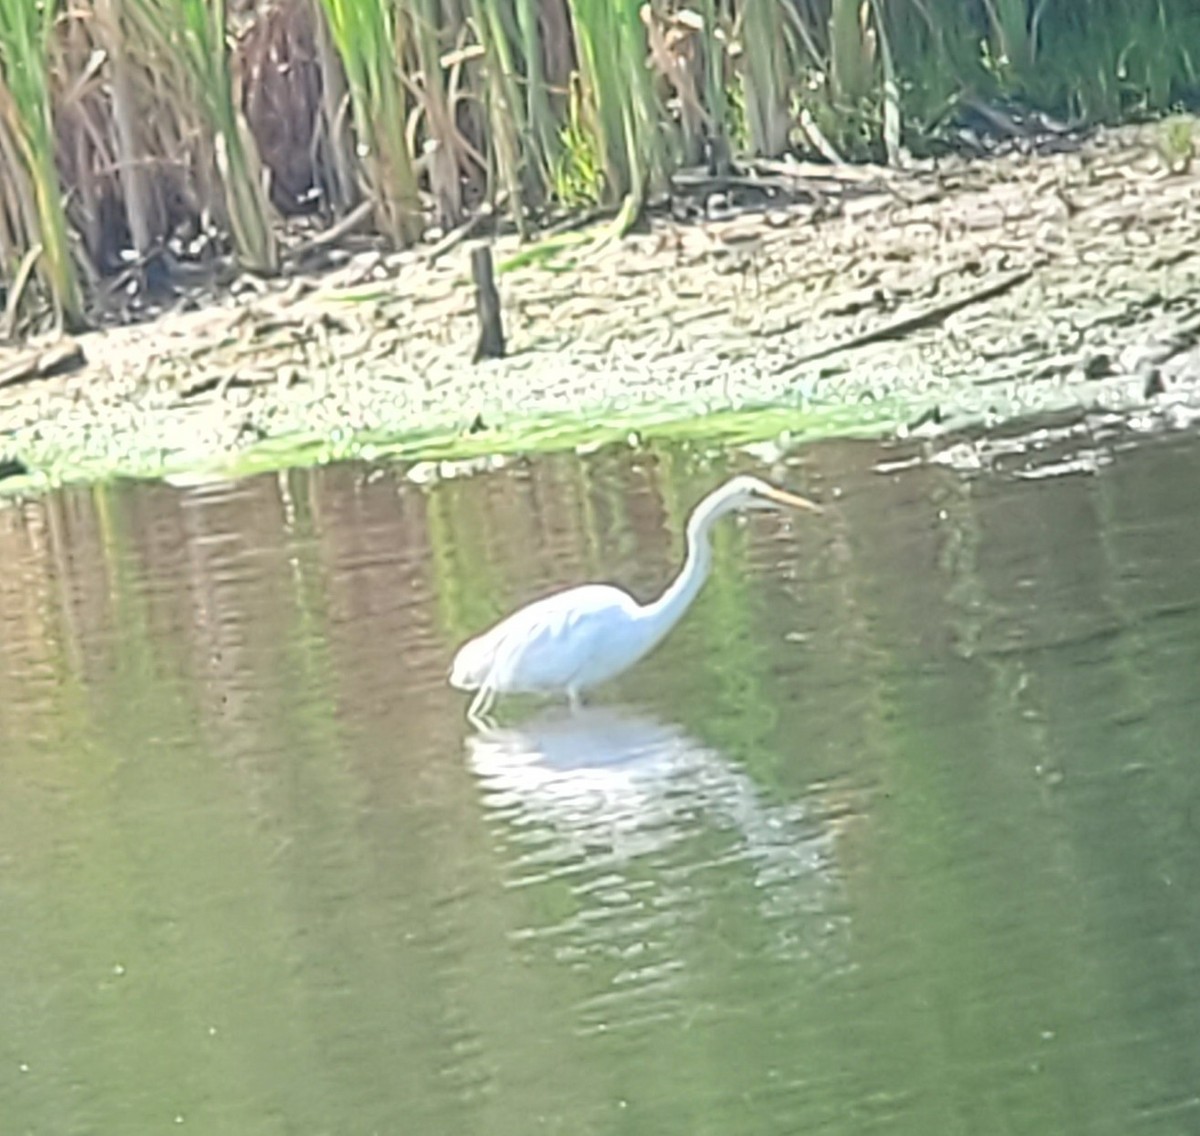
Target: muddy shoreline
point(863, 300)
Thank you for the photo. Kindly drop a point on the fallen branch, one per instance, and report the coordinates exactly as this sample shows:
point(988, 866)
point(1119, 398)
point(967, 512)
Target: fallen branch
point(817, 140)
point(457, 235)
point(237, 380)
point(334, 233)
point(581, 221)
point(898, 329)
point(44, 363)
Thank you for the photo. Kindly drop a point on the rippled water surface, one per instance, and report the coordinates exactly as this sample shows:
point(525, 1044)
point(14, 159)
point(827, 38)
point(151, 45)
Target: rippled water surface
point(898, 832)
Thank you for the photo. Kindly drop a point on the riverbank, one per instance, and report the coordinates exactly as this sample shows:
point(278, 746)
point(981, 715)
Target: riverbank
point(807, 300)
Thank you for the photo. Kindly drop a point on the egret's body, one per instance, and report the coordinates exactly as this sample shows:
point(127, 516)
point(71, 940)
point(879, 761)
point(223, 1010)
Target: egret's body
point(577, 639)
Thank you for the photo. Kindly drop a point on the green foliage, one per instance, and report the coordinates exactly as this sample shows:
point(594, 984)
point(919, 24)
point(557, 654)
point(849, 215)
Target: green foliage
point(1177, 143)
point(1096, 60)
point(1012, 44)
point(851, 52)
point(495, 23)
point(578, 176)
point(621, 106)
point(737, 122)
point(365, 33)
point(517, 101)
point(32, 196)
point(193, 38)
point(543, 253)
point(769, 67)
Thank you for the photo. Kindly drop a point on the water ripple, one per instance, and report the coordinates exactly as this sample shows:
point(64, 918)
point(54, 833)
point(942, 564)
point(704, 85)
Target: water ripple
point(649, 827)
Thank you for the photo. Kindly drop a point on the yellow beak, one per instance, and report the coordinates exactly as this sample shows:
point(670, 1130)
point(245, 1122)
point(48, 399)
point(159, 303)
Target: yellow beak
point(796, 502)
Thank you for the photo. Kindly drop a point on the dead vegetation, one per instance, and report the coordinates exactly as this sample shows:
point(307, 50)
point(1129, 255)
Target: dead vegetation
point(148, 142)
point(940, 294)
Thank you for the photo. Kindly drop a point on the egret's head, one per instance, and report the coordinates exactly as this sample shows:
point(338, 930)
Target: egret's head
point(746, 492)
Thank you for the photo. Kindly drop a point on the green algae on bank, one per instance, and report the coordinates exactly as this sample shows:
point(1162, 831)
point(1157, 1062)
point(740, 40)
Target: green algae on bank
point(850, 403)
point(950, 298)
point(558, 432)
point(782, 424)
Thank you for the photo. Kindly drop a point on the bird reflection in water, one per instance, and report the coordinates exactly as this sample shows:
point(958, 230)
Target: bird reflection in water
point(607, 794)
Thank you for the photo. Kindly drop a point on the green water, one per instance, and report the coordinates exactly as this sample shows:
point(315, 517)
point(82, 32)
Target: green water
point(899, 832)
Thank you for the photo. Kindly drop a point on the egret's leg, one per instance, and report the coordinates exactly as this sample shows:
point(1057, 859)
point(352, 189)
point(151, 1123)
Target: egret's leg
point(477, 712)
point(483, 722)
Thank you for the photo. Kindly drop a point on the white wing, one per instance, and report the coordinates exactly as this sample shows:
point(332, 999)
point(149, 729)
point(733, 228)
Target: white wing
point(552, 644)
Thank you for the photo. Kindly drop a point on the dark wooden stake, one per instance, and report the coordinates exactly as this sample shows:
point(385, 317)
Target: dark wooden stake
point(487, 303)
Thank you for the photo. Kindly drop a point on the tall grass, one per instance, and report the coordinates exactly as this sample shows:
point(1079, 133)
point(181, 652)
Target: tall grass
point(622, 110)
point(367, 36)
point(156, 118)
point(31, 200)
point(768, 74)
point(184, 48)
point(494, 23)
point(445, 184)
point(544, 130)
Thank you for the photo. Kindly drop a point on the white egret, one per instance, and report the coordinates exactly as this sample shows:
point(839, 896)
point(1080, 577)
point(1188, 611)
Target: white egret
point(573, 640)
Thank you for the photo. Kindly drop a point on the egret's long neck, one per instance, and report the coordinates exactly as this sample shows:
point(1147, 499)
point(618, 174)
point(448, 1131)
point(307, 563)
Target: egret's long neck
point(666, 611)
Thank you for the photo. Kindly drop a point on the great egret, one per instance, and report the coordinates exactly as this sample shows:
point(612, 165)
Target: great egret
point(576, 639)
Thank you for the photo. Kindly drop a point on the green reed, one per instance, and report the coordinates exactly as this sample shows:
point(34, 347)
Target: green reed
point(632, 135)
point(366, 34)
point(194, 39)
point(428, 107)
point(30, 195)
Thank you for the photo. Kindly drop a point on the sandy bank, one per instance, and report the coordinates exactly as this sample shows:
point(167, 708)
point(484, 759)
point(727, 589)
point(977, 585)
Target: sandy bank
point(860, 298)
